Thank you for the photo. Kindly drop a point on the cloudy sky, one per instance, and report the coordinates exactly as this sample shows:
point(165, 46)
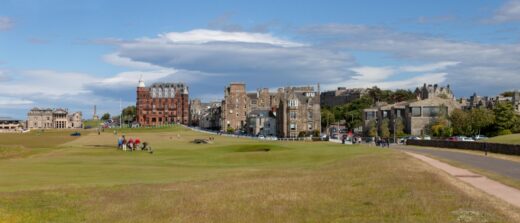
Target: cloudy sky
point(75, 54)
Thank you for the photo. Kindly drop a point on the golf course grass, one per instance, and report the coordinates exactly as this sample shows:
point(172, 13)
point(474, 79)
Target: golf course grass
point(508, 139)
point(54, 177)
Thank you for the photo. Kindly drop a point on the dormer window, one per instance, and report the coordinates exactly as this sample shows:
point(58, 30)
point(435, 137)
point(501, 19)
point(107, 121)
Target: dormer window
point(293, 103)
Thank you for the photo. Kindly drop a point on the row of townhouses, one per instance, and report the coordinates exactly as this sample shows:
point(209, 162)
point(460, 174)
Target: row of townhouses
point(288, 112)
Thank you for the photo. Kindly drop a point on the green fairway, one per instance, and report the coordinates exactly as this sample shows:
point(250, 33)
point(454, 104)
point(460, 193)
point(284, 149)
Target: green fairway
point(85, 179)
point(508, 139)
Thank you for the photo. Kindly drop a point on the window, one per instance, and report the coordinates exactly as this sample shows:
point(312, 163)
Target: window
point(292, 115)
point(431, 111)
point(309, 126)
point(416, 111)
point(292, 126)
point(371, 115)
point(293, 103)
point(309, 115)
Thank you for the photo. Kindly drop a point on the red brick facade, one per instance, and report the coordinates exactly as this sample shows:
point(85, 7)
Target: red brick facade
point(162, 103)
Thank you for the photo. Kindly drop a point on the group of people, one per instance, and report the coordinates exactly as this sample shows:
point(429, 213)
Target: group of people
point(382, 142)
point(128, 145)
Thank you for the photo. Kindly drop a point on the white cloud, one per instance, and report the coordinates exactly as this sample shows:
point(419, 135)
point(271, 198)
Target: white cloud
point(497, 63)
point(508, 12)
point(257, 58)
point(12, 101)
point(46, 83)
point(115, 59)
point(408, 83)
point(370, 74)
point(199, 36)
point(6, 23)
point(3, 76)
point(428, 67)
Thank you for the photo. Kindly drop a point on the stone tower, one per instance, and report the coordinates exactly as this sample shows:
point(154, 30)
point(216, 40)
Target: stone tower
point(235, 107)
point(95, 117)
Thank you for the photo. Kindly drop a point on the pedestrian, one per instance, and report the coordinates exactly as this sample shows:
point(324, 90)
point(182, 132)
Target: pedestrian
point(387, 142)
point(485, 149)
point(137, 142)
point(120, 143)
point(124, 143)
point(130, 144)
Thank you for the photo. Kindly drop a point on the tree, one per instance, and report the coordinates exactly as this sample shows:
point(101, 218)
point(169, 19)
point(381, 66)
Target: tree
point(372, 128)
point(507, 93)
point(399, 127)
point(516, 127)
point(105, 116)
point(327, 117)
point(403, 95)
point(385, 128)
point(460, 122)
point(129, 114)
point(440, 128)
point(481, 118)
point(505, 117)
point(353, 111)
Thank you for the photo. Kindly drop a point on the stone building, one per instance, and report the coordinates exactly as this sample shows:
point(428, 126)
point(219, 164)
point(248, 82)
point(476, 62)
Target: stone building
point(415, 115)
point(434, 91)
point(263, 99)
point(210, 117)
point(10, 125)
point(162, 103)
point(261, 122)
point(195, 112)
point(298, 111)
point(235, 107)
point(476, 101)
point(341, 96)
point(48, 118)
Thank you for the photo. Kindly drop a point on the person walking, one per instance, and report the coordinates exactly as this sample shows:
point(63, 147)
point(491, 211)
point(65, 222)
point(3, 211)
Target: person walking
point(119, 143)
point(131, 144)
point(124, 143)
point(137, 142)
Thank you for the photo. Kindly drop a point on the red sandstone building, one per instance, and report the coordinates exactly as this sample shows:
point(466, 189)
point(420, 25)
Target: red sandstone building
point(162, 103)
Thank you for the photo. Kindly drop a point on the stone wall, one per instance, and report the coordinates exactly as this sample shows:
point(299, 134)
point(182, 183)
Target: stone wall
point(479, 146)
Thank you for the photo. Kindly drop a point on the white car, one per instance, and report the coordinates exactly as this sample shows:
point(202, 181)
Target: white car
point(465, 139)
point(480, 137)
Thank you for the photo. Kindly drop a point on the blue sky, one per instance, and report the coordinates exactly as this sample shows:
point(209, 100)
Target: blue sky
point(75, 54)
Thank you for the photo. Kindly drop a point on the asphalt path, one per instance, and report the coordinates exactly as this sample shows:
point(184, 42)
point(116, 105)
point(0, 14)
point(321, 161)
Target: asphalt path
point(500, 166)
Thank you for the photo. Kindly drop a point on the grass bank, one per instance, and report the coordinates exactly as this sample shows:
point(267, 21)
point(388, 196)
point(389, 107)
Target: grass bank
point(231, 180)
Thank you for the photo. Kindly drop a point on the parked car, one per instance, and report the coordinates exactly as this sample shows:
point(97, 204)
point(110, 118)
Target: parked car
point(480, 137)
point(461, 139)
point(75, 134)
point(467, 139)
point(427, 137)
point(453, 139)
point(406, 138)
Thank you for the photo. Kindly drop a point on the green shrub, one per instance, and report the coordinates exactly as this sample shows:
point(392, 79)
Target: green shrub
point(505, 132)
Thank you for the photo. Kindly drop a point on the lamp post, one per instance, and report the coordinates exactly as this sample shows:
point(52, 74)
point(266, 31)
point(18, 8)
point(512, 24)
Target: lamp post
point(395, 119)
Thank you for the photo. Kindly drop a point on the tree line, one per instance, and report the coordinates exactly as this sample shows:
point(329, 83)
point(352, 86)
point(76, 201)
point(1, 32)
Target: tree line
point(352, 113)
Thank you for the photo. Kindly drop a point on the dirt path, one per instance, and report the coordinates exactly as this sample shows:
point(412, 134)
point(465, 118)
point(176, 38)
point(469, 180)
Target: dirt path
point(506, 193)
point(507, 168)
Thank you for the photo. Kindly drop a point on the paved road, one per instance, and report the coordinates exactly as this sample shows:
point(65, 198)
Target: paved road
point(499, 166)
